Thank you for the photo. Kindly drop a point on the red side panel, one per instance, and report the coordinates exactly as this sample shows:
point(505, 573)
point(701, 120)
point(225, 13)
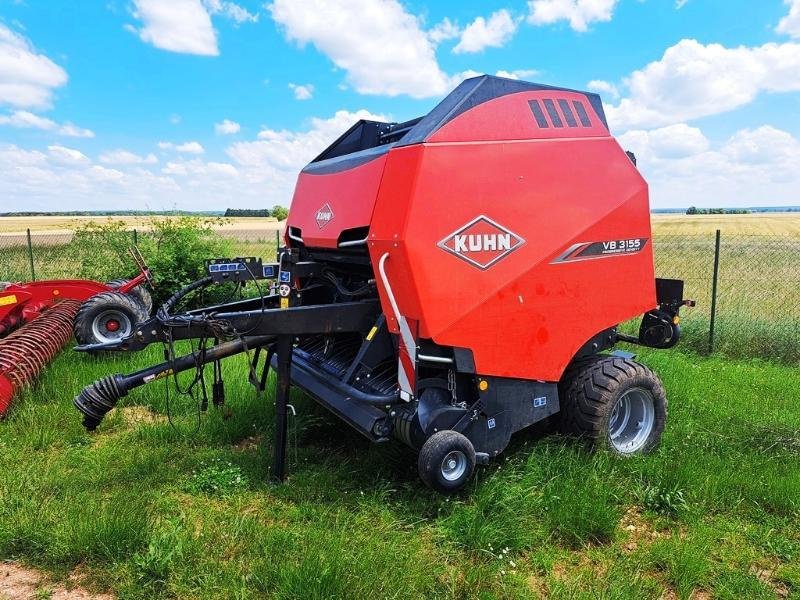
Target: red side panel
point(521, 251)
point(325, 205)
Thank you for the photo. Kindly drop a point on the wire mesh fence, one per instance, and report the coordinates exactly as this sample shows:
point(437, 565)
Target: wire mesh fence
point(753, 309)
point(749, 306)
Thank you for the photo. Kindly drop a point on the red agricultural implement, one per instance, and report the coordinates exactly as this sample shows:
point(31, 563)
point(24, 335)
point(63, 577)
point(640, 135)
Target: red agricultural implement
point(38, 318)
point(449, 281)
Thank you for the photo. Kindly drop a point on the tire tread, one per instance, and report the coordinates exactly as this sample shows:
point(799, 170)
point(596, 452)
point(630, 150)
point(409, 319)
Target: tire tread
point(589, 389)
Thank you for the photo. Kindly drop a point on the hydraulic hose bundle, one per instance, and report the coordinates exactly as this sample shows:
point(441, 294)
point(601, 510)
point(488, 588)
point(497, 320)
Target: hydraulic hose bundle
point(26, 351)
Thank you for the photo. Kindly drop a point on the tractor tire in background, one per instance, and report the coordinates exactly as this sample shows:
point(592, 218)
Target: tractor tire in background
point(446, 461)
point(615, 403)
point(140, 292)
point(107, 317)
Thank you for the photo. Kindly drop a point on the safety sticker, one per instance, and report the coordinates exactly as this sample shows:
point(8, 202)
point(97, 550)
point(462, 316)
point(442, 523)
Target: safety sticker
point(161, 375)
point(6, 300)
point(539, 402)
point(491, 423)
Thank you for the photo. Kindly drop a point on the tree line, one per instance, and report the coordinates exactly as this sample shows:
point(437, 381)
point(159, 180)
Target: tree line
point(277, 211)
point(693, 210)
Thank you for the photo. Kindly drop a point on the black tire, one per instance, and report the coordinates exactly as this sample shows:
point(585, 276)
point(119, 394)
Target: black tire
point(94, 319)
point(596, 393)
point(448, 446)
point(141, 293)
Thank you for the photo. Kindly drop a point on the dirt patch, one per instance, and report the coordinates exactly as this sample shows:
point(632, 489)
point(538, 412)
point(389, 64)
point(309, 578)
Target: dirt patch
point(766, 575)
point(638, 530)
point(140, 415)
point(248, 443)
point(22, 583)
point(538, 586)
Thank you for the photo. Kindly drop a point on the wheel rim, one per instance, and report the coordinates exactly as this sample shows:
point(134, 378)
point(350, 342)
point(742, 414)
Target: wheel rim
point(632, 420)
point(454, 465)
point(110, 325)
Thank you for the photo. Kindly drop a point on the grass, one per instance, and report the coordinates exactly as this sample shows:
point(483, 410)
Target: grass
point(154, 511)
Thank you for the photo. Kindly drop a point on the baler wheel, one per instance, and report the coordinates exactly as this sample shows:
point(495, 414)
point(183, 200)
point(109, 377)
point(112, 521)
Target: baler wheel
point(615, 403)
point(107, 317)
point(446, 461)
point(139, 292)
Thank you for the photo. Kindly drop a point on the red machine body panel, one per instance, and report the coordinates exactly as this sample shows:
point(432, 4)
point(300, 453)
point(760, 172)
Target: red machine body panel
point(326, 204)
point(512, 117)
point(515, 225)
point(525, 300)
point(27, 300)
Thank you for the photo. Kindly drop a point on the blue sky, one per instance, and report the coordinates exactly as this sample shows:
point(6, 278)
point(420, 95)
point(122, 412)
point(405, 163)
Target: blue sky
point(205, 104)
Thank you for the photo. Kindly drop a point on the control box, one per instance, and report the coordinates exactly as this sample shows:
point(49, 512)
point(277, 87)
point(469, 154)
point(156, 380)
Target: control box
point(240, 270)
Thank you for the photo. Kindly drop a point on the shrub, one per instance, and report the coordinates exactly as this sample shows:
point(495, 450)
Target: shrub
point(174, 248)
point(280, 212)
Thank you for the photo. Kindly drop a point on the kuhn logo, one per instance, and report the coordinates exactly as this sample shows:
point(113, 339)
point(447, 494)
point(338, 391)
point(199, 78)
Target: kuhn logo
point(324, 215)
point(481, 242)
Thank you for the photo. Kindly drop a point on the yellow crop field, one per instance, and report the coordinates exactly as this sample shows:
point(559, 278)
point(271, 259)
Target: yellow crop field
point(779, 224)
point(63, 224)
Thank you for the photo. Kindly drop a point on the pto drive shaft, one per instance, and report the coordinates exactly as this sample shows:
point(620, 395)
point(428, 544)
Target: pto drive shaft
point(97, 399)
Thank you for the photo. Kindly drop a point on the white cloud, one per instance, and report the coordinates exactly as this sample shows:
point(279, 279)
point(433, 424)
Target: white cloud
point(22, 119)
point(764, 145)
point(186, 147)
point(227, 127)
point(579, 13)
point(290, 151)
point(679, 4)
point(518, 73)
point(674, 141)
point(125, 157)
point(790, 24)
point(67, 155)
point(754, 167)
point(197, 167)
point(230, 10)
point(603, 87)
point(302, 92)
point(380, 46)
point(64, 178)
point(443, 31)
point(694, 80)
point(178, 26)
point(482, 33)
point(27, 79)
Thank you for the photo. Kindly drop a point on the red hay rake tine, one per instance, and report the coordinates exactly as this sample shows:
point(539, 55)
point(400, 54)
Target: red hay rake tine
point(26, 351)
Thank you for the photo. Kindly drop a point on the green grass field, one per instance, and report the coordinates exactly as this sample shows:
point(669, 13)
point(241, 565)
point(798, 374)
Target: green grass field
point(146, 510)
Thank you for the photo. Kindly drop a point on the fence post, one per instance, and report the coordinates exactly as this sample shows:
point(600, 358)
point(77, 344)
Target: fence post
point(277, 239)
point(714, 283)
point(30, 256)
point(135, 238)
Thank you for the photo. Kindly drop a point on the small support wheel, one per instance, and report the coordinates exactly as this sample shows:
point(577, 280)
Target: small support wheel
point(446, 461)
point(107, 317)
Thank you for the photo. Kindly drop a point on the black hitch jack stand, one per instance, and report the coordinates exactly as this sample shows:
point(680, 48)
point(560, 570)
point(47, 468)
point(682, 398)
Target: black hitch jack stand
point(284, 352)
